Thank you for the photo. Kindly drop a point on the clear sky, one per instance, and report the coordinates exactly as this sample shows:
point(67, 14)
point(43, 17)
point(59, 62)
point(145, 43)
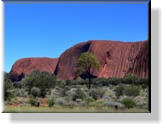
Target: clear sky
point(47, 30)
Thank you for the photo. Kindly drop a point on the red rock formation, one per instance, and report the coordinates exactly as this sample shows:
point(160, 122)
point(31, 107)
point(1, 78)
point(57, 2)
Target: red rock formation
point(117, 59)
point(25, 66)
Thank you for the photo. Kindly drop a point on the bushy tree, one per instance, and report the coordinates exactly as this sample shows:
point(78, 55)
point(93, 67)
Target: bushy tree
point(42, 80)
point(87, 62)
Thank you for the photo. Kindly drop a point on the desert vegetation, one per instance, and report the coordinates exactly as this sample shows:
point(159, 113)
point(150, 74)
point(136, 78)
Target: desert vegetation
point(42, 92)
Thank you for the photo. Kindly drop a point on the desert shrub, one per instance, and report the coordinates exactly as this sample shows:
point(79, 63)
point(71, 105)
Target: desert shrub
point(72, 104)
point(109, 92)
point(35, 91)
point(68, 82)
point(132, 90)
point(97, 93)
point(114, 81)
point(141, 101)
point(130, 79)
point(19, 92)
point(100, 82)
point(51, 102)
point(14, 101)
point(89, 100)
point(60, 83)
point(119, 91)
point(8, 86)
point(144, 93)
point(61, 101)
point(129, 103)
point(144, 86)
point(78, 82)
point(54, 93)
point(79, 94)
point(18, 85)
point(32, 101)
point(99, 102)
point(142, 81)
point(43, 80)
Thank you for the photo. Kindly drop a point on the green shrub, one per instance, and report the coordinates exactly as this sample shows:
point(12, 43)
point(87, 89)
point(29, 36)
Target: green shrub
point(35, 91)
point(78, 82)
point(100, 82)
point(133, 79)
point(32, 101)
point(142, 81)
point(114, 81)
point(43, 80)
point(61, 101)
point(144, 86)
point(99, 102)
point(51, 102)
point(68, 82)
point(18, 85)
point(132, 91)
point(79, 94)
point(141, 101)
point(8, 86)
point(17, 92)
point(89, 100)
point(110, 93)
point(119, 91)
point(54, 93)
point(129, 79)
point(129, 103)
point(97, 93)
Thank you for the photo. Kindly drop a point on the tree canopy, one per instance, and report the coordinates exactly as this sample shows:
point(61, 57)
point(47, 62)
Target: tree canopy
point(41, 80)
point(87, 62)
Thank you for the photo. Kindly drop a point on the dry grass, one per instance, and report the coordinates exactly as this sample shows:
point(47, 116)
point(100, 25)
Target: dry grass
point(56, 109)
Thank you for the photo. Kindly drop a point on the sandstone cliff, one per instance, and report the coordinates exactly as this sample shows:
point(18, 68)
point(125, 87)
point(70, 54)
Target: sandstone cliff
point(117, 59)
point(25, 66)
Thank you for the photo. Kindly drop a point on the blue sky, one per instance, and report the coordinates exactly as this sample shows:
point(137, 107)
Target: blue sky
point(47, 30)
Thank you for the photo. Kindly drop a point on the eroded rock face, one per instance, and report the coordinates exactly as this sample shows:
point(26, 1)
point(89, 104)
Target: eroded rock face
point(25, 66)
point(117, 59)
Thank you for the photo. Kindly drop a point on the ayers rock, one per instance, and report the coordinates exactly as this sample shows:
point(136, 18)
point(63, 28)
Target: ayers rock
point(25, 66)
point(117, 59)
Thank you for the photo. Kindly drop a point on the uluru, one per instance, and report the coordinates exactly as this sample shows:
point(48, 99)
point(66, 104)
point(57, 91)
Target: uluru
point(25, 66)
point(117, 59)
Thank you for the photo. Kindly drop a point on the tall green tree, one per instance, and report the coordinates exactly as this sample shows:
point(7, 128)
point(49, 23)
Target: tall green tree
point(87, 62)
